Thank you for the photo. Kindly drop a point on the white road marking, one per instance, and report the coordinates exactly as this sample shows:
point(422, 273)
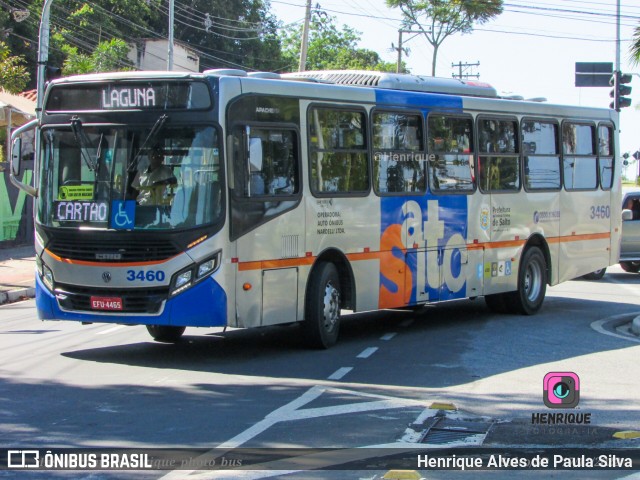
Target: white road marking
point(112, 329)
point(338, 374)
point(598, 326)
point(367, 352)
point(292, 411)
point(388, 336)
point(406, 323)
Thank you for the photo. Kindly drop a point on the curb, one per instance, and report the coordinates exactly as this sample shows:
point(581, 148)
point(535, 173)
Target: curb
point(16, 295)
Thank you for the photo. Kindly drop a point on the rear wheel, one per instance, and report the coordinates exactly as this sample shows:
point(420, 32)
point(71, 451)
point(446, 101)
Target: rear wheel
point(595, 275)
point(631, 267)
point(532, 283)
point(165, 333)
point(322, 309)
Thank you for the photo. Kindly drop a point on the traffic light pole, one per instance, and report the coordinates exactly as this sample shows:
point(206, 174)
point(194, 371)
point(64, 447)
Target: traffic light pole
point(618, 35)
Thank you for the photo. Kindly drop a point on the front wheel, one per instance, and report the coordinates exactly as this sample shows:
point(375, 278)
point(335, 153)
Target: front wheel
point(532, 283)
point(165, 333)
point(322, 307)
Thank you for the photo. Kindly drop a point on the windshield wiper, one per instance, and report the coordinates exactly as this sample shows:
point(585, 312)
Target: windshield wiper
point(83, 142)
point(155, 130)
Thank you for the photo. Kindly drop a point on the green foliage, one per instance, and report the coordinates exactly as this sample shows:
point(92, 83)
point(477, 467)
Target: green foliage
point(243, 33)
point(635, 46)
point(438, 19)
point(330, 48)
point(13, 71)
point(108, 56)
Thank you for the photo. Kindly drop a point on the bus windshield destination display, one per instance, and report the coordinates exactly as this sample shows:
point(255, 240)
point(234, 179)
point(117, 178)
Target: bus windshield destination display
point(129, 96)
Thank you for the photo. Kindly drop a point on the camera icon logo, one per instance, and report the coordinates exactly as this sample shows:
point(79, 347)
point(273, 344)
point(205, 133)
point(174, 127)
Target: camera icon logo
point(561, 390)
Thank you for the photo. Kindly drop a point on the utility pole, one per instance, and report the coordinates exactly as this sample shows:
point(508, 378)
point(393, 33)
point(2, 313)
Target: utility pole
point(400, 48)
point(170, 39)
point(302, 66)
point(463, 67)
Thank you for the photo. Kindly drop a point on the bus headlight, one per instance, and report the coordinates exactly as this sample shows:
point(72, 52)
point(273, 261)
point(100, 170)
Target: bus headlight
point(207, 267)
point(47, 275)
point(195, 273)
point(182, 281)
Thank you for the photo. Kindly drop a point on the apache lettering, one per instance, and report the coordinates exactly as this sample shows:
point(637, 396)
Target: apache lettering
point(129, 98)
point(81, 212)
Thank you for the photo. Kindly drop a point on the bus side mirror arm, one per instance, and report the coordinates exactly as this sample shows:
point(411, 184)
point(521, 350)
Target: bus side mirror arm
point(16, 158)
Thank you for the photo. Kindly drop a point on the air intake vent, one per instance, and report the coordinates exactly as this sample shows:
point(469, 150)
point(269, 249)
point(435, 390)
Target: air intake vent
point(111, 249)
point(398, 81)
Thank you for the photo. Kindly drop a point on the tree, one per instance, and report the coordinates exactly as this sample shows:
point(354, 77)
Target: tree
point(108, 56)
point(439, 19)
point(13, 71)
point(635, 46)
point(330, 48)
point(240, 34)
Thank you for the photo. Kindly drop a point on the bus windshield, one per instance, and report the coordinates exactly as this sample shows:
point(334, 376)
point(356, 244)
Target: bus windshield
point(123, 178)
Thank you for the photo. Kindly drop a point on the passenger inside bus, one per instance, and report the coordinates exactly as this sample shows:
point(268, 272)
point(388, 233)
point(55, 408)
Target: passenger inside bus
point(152, 182)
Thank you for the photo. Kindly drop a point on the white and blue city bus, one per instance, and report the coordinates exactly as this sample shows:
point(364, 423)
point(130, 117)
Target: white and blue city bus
point(291, 198)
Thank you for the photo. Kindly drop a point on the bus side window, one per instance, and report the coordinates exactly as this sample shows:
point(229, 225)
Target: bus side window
point(541, 155)
point(270, 166)
point(451, 147)
point(579, 160)
point(605, 156)
point(499, 155)
point(338, 154)
point(399, 163)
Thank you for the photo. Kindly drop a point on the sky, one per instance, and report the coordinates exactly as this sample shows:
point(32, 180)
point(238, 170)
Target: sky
point(529, 50)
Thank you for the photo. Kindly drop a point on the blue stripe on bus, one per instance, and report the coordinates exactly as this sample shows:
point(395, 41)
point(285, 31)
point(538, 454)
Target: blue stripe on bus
point(418, 100)
point(193, 308)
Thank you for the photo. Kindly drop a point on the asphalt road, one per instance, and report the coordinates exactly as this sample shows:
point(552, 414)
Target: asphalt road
point(69, 385)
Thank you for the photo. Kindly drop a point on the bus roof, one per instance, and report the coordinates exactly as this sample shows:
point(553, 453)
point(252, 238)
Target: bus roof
point(400, 81)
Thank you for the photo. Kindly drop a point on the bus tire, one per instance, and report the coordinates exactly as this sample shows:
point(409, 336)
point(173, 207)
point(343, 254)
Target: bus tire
point(532, 283)
point(322, 307)
point(165, 333)
point(631, 267)
point(595, 275)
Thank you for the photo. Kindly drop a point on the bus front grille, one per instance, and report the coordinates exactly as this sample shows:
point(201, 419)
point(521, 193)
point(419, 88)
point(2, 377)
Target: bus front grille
point(112, 249)
point(78, 298)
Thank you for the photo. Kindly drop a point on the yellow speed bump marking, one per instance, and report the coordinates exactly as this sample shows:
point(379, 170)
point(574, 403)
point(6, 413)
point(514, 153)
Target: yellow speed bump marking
point(402, 475)
point(627, 434)
point(442, 406)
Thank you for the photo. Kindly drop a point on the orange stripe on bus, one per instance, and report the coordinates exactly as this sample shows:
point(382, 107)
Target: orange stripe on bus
point(278, 263)
point(308, 260)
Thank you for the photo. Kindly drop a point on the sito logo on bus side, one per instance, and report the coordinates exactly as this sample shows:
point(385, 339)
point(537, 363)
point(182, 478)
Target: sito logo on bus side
point(420, 260)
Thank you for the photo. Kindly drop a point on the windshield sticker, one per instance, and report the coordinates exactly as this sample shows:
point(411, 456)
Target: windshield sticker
point(75, 192)
point(123, 214)
point(81, 211)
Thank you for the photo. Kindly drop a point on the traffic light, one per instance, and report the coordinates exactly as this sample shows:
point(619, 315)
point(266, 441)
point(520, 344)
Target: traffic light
point(620, 90)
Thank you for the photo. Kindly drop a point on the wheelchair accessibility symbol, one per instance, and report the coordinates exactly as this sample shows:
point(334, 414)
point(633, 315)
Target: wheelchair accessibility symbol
point(123, 214)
